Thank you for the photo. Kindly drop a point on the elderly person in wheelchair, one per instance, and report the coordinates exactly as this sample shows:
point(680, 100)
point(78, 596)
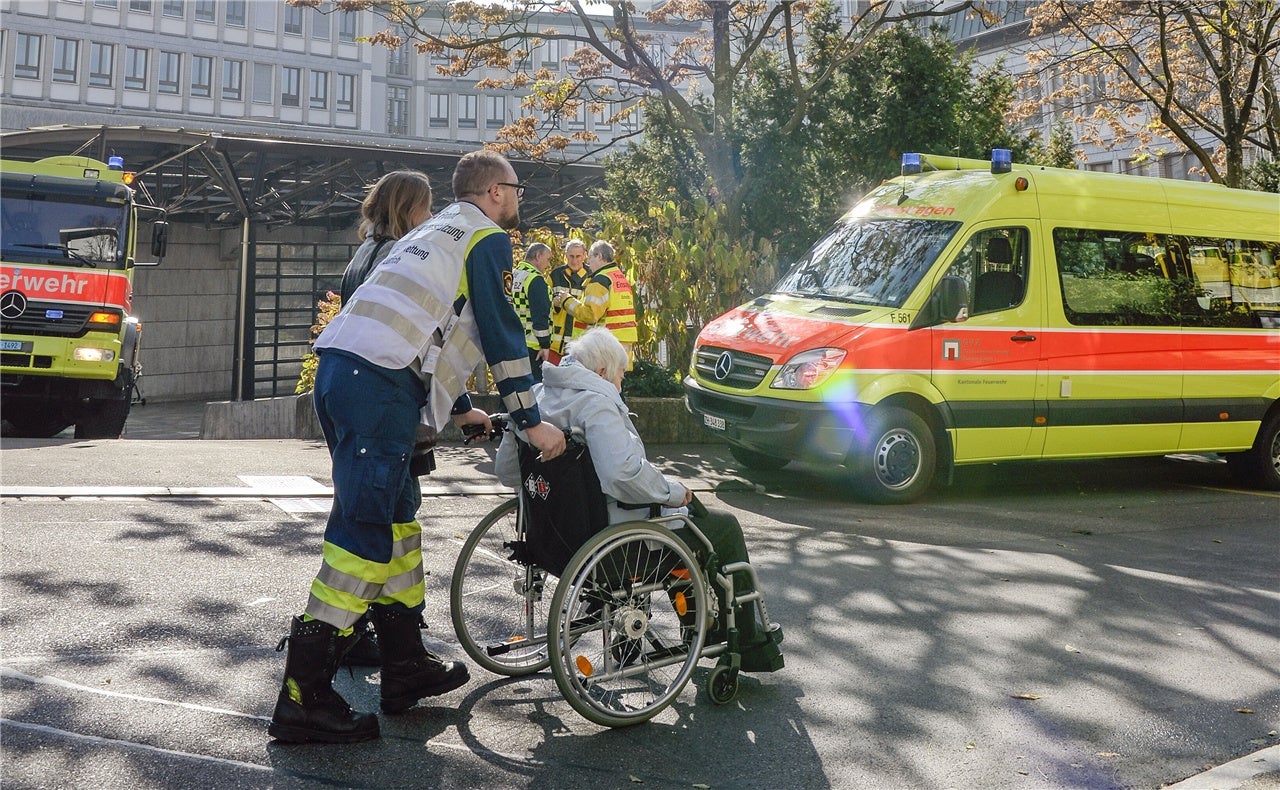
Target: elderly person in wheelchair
point(583, 395)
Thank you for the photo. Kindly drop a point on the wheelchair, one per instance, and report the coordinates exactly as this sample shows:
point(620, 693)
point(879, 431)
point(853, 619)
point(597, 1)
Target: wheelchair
point(622, 623)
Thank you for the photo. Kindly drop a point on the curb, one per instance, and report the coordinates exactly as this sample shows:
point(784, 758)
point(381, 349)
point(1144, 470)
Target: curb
point(1257, 771)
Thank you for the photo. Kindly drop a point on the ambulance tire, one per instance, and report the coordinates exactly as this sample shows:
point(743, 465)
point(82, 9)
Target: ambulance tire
point(895, 462)
point(104, 419)
point(1260, 466)
point(752, 459)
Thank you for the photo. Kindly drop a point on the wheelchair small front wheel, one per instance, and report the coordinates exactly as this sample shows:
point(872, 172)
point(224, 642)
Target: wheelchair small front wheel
point(722, 684)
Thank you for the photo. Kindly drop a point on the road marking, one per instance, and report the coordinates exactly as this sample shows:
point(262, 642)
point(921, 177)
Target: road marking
point(100, 741)
point(7, 672)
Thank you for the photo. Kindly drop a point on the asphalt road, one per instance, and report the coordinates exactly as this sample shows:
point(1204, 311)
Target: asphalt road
point(1100, 624)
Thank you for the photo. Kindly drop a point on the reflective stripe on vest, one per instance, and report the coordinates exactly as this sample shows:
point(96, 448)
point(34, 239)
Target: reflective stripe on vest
point(620, 316)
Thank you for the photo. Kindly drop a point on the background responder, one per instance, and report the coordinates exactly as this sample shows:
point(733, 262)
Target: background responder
point(399, 202)
point(409, 338)
point(607, 300)
point(531, 295)
point(568, 277)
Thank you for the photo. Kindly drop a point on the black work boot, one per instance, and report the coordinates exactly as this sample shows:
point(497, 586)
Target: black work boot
point(308, 708)
point(361, 648)
point(409, 671)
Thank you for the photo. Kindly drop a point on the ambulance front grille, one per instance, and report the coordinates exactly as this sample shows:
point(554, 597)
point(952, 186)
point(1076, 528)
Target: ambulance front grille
point(731, 368)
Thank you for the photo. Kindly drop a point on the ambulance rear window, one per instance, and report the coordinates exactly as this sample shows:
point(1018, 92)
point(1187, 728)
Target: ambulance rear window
point(869, 261)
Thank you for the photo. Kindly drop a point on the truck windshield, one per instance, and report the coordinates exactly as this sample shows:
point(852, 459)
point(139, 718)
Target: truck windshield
point(62, 230)
point(869, 261)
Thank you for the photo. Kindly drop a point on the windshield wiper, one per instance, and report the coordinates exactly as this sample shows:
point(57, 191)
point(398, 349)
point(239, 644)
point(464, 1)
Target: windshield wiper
point(70, 253)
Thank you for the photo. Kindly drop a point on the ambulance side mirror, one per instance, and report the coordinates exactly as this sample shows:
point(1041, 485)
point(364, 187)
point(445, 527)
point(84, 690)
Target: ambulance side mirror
point(948, 304)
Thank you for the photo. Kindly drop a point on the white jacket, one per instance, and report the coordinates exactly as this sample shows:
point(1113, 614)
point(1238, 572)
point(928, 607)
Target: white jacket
point(571, 396)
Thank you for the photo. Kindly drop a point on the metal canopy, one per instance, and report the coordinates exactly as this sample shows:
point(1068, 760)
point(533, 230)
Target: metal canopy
point(217, 180)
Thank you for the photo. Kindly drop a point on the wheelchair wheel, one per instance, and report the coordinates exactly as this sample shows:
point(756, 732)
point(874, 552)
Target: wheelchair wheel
point(499, 606)
point(722, 683)
point(628, 623)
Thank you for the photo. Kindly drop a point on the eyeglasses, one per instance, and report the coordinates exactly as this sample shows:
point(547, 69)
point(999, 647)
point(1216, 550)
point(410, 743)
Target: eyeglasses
point(519, 188)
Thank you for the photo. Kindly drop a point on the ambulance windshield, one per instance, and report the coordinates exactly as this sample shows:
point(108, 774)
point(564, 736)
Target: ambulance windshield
point(62, 230)
point(869, 261)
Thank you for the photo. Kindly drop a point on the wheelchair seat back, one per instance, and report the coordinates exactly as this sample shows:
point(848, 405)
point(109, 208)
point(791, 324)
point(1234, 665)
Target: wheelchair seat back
point(564, 505)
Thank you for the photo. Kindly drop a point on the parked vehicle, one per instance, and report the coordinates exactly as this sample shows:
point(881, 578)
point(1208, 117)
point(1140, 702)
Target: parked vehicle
point(68, 336)
point(969, 312)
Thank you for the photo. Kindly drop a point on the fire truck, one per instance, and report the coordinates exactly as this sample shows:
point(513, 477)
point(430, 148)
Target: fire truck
point(69, 341)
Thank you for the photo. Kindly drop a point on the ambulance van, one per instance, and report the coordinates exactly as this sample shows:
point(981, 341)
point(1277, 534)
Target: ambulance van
point(971, 312)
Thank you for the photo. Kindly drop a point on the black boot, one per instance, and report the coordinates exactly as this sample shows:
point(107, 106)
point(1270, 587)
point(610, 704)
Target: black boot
point(361, 648)
point(308, 708)
point(409, 671)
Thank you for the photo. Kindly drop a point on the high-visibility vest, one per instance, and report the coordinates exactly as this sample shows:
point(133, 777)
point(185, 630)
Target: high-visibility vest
point(413, 309)
point(561, 323)
point(620, 314)
point(523, 278)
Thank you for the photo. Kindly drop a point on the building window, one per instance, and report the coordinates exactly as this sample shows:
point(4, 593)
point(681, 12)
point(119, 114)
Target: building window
point(106, 3)
point(319, 90)
point(174, 8)
point(601, 120)
point(398, 111)
point(201, 75)
point(169, 72)
point(467, 111)
point(102, 59)
point(264, 17)
point(578, 118)
point(264, 83)
point(292, 20)
point(141, 6)
point(495, 112)
point(235, 13)
point(232, 79)
point(551, 54)
point(439, 117)
point(346, 98)
point(290, 90)
point(398, 62)
point(27, 59)
point(66, 60)
point(135, 68)
point(205, 11)
point(320, 26)
point(348, 26)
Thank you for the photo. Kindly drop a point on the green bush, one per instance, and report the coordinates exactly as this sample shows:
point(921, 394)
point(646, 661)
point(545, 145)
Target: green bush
point(651, 380)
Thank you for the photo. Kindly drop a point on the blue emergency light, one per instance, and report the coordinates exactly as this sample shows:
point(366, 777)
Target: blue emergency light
point(910, 164)
point(115, 163)
point(1001, 160)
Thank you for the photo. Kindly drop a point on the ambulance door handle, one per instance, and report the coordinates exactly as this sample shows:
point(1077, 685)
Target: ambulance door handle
point(1023, 338)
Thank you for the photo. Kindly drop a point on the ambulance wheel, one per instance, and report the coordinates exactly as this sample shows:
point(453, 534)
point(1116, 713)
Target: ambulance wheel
point(756, 460)
point(1259, 466)
point(894, 463)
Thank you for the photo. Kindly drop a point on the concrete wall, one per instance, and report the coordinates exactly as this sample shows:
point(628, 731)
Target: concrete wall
point(188, 308)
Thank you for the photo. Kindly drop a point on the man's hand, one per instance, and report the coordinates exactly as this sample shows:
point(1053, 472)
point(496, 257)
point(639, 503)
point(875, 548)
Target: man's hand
point(474, 417)
point(547, 438)
point(558, 295)
point(544, 354)
point(688, 497)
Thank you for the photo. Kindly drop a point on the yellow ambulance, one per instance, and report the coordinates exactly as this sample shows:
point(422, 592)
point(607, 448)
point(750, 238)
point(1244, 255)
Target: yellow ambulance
point(972, 311)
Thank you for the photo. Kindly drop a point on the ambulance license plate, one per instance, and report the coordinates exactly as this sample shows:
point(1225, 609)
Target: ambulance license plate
point(713, 422)
point(12, 345)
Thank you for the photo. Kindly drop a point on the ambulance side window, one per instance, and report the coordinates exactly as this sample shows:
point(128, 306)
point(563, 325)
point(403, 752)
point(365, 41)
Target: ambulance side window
point(994, 262)
point(1117, 278)
point(1235, 282)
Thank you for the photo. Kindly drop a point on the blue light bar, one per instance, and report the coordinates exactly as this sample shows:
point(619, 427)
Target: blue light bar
point(910, 164)
point(1001, 160)
point(115, 163)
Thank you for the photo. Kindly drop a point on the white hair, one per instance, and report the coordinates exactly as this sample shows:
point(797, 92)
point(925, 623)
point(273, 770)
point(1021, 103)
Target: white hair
point(597, 348)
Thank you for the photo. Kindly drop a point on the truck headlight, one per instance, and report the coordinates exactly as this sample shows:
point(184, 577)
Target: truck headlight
point(85, 354)
point(808, 369)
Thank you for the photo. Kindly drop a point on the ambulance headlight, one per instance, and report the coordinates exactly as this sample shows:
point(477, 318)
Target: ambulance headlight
point(93, 355)
point(808, 369)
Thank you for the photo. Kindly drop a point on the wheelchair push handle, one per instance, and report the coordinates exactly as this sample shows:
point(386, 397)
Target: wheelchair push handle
point(502, 422)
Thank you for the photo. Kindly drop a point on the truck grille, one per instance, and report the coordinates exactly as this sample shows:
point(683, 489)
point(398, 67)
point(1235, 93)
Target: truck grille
point(731, 368)
point(35, 320)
